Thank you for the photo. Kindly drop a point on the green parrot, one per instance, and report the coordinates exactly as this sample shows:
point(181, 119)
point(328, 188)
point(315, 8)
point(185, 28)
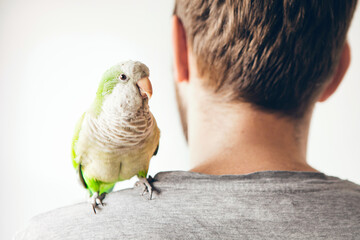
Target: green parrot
point(115, 139)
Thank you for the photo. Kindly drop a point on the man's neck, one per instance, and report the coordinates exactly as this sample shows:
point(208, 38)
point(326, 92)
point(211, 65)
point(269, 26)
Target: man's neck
point(237, 139)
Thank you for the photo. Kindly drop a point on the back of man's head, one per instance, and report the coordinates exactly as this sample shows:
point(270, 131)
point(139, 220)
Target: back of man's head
point(277, 55)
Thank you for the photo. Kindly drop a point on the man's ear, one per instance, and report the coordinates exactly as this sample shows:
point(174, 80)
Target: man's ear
point(339, 73)
point(180, 51)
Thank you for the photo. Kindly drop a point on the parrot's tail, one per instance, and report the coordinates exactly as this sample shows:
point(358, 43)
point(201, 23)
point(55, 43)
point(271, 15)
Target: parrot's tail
point(81, 176)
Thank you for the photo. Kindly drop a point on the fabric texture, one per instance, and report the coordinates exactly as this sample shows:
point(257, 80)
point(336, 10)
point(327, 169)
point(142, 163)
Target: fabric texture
point(187, 205)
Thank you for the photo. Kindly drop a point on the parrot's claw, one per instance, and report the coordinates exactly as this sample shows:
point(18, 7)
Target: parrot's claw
point(146, 185)
point(100, 202)
point(94, 206)
point(96, 200)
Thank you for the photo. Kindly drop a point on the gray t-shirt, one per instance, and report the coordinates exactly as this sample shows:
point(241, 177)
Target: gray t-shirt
point(261, 205)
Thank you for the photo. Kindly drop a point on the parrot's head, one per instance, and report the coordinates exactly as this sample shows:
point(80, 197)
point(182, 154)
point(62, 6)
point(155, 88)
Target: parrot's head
point(124, 87)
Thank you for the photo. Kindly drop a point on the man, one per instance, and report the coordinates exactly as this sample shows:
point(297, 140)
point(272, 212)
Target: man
point(248, 74)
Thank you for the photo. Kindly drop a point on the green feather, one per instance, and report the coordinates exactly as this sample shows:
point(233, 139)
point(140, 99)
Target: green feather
point(95, 185)
point(107, 84)
point(75, 139)
point(142, 174)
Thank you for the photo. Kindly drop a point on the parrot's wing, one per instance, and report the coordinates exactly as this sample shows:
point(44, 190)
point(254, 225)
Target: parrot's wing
point(75, 161)
point(81, 176)
point(157, 149)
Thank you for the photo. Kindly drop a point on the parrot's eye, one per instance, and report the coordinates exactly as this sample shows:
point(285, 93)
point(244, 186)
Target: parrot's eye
point(123, 77)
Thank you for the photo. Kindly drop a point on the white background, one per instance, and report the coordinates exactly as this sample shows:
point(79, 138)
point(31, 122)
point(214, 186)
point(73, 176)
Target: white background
point(52, 55)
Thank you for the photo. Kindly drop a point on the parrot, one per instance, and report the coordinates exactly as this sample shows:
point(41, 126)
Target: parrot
point(117, 136)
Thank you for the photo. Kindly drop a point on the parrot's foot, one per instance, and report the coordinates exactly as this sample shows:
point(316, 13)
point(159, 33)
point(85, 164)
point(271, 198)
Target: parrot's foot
point(147, 188)
point(96, 200)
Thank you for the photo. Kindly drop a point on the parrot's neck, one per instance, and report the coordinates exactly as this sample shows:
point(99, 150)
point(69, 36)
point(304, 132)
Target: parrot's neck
point(116, 129)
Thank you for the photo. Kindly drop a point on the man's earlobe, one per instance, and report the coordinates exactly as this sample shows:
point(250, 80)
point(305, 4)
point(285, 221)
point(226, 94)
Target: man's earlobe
point(339, 73)
point(180, 51)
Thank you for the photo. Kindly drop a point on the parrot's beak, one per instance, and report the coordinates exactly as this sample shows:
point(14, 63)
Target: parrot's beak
point(145, 87)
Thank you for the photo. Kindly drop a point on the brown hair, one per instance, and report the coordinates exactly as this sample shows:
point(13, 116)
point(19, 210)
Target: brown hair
point(275, 54)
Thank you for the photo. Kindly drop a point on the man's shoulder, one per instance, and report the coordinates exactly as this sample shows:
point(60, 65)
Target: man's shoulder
point(203, 206)
point(78, 221)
